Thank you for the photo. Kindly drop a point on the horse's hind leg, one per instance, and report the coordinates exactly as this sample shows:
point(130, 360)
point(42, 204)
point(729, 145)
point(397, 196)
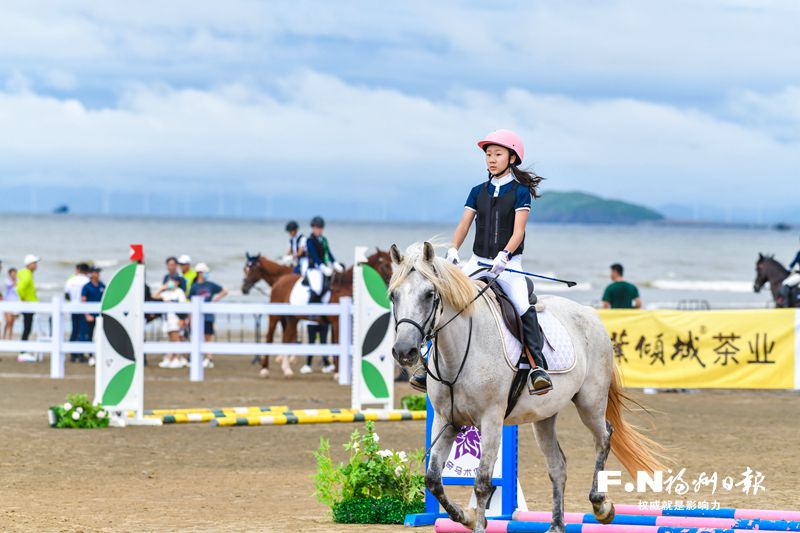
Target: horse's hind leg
point(593, 416)
point(545, 431)
point(433, 476)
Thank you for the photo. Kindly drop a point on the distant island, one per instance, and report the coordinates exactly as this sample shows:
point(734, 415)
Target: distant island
point(582, 208)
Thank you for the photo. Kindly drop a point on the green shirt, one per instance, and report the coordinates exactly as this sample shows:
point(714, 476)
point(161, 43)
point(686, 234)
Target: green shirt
point(25, 287)
point(620, 295)
point(189, 276)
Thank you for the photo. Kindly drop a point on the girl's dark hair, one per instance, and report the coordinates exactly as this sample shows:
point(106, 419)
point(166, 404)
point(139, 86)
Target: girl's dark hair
point(528, 178)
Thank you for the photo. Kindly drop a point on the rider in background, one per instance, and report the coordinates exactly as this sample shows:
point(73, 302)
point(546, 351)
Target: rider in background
point(501, 206)
point(321, 263)
point(792, 280)
point(296, 254)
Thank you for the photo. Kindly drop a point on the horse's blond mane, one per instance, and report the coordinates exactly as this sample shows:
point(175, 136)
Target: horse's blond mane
point(454, 287)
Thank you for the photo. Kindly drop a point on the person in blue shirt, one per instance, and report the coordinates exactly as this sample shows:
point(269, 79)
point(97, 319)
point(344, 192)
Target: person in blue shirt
point(792, 281)
point(209, 292)
point(91, 292)
point(321, 263)
point(173, 274)
point(500, 207)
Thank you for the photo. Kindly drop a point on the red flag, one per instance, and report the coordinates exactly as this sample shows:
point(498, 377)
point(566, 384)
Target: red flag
point(137, 253)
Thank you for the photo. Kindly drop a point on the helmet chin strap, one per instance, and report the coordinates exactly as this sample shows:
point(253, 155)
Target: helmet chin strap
point(508, 167)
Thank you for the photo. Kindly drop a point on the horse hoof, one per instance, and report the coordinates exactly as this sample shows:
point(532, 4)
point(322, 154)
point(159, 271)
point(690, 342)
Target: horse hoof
point(264, 372)
point(469, 518)
point(605, 513)
point(335, 376)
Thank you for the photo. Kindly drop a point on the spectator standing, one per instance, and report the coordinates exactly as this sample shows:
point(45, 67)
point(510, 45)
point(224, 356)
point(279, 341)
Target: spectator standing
point(173, 323)
point(189, 274)
point(10, 295)
point(318, 330)
point(72, 293)
point(620, 294)
point(91, 292)
point(210, 292)
point(172, 273)
point(27, 293)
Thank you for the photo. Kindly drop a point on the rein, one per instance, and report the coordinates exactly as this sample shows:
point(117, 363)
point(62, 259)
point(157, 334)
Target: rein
point(433, 335)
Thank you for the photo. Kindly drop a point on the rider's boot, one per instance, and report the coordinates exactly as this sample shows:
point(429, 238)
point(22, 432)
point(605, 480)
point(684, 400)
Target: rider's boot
point(785, 293)
point(419, 381)
point(539, 381)
point(314, 298)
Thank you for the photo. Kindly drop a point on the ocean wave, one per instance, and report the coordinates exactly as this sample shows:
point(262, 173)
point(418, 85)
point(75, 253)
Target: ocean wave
point(700, 285)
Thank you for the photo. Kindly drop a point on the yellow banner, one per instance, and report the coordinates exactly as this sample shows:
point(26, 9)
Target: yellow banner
point(752, 349)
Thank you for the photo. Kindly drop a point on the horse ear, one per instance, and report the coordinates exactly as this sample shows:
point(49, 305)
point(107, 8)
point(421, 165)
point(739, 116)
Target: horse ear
point(428, 253)
point(760, 256)
point(395, 253)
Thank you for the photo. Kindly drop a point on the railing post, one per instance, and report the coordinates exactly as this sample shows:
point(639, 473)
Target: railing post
point(56, 338)
point(345, 332)
point(195, 338)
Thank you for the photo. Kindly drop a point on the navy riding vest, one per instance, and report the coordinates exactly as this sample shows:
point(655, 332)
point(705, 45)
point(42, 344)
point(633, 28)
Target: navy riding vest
point(294, 243)
point(494, 224)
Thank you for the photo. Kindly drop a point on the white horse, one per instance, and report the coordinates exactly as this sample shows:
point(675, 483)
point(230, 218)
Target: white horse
point(427, 292)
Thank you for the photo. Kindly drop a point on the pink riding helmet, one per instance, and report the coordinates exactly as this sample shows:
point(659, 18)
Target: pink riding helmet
point(506, 139)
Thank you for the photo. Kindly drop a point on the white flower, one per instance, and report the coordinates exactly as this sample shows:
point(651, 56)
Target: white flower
point(79, 409)
point(76, 415)
point(398, 470)
point(67, 406)
point(375, 437)
point(355, 445)
point(403, 456)
point(101, 414)
point(385, 453)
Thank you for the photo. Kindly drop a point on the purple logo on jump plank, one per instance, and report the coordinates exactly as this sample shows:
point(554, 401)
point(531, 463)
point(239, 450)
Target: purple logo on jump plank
point(468, 441)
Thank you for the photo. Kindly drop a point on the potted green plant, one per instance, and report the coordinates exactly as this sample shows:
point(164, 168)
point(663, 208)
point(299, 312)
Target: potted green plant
point(375, 486)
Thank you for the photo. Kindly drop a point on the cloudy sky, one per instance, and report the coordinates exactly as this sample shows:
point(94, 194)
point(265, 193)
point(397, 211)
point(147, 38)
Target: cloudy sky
point(656, 102)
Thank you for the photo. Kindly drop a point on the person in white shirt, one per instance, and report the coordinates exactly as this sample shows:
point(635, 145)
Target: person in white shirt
point(10, 295)
point(173, 322)
point(72, 293)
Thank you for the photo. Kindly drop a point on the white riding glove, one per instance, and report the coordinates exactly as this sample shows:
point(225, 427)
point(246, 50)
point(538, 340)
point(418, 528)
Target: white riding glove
point(287, 259)
point(452, 256)
point(499, 263)
point(326, 270)
point(338, 267)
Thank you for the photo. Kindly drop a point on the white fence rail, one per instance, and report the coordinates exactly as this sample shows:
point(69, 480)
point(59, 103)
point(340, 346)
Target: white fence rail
point(196, 346)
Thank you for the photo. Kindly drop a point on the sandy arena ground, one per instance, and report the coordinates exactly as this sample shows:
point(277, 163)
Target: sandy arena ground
point(199, 478)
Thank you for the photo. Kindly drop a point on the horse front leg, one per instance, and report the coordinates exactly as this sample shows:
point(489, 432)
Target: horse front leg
point(273, 324)
point(440, 451)
point(545, 431)
point(290, 337)
point(491, 434)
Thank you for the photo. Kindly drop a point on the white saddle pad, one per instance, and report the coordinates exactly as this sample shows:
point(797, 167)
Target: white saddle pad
point(558, 349)
point(301, 294)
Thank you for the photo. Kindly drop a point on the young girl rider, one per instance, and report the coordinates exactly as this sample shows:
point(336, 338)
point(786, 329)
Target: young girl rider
point(321, 263)
point(501, 206)
point(296, 254)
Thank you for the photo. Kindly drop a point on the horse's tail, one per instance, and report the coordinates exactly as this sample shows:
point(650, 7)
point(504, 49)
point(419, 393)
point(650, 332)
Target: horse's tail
point(633, 449)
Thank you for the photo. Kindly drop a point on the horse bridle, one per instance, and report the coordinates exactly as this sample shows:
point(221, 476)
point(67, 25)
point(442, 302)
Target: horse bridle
point(433, 334)
point(426, 334)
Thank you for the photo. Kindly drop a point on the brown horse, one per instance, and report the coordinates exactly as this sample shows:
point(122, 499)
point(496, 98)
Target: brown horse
point(341, 286)
point(257, 268)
